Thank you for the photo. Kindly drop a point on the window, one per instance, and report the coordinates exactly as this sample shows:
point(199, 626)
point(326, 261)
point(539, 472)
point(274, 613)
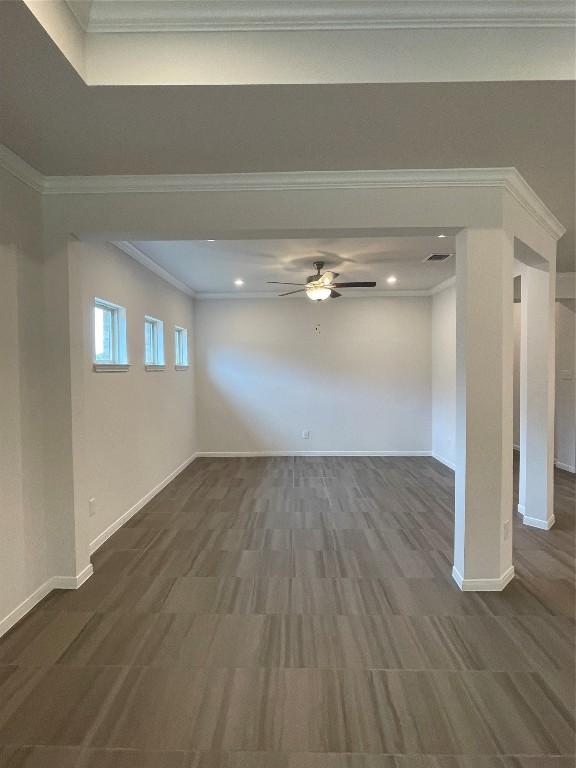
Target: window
point(109, 335)
point(153, 342)
point(181, 347)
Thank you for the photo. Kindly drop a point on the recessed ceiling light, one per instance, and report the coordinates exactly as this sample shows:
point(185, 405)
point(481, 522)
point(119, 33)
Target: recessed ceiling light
point(391, 280)
point(210, 241)
point(238, 282)
point(442, 235)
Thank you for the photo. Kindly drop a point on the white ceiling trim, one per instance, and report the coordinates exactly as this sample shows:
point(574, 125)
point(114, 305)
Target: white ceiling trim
point(508, 179)
point(448, 283)
point(20, 169)
point(278, 15)
point(286, 180)
point(523, 193)
point(348, 294)
point(80, 9)
point(135, 253)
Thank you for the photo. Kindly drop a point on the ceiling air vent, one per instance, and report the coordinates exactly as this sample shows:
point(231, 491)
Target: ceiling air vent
point(438, 256)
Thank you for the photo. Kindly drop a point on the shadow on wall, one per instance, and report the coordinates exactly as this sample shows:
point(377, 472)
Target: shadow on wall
point(260, 392)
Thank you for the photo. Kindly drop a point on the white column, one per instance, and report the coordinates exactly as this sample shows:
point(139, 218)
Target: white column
point(537, 372)
point(484, 369)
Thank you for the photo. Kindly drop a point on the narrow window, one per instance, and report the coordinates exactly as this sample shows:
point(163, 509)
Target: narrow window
point(109, 334)
point(181, 347)
point(153, 343)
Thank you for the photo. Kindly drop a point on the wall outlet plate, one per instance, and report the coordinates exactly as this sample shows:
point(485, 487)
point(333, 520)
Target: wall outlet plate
point(91, 507)
point(305, 434)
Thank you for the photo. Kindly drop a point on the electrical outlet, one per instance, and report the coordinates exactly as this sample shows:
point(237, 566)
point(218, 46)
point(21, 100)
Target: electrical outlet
point(91, 507)
point(506, 530)
point(305, 434)
point(317, 329)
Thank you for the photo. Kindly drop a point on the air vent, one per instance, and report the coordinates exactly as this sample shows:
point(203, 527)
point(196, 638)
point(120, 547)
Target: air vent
point(438, 256)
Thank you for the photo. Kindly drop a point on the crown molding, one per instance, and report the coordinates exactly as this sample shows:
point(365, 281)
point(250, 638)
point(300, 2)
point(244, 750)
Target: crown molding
point(80, 10)
point(20, 169)
point(523, 193)
point(279, 15)
point(508, 179)
point(348, 294)
point(284, 180)
point(135, 253)
point(565, 289)
point(448, 283)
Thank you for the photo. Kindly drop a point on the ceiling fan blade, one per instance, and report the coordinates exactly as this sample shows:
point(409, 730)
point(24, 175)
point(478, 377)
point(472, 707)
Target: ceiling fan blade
point(275, 282)
point(300, 290)
point(355, 285)
point(328, 277)
point(335, 295)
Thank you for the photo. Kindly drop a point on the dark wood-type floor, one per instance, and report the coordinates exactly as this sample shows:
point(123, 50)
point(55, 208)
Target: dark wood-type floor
point(298, 613)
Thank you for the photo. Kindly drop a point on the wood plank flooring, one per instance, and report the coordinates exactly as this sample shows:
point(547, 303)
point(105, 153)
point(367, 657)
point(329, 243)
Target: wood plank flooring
point(298, 613)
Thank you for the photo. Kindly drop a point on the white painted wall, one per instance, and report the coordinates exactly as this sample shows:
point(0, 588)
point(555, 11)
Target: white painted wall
point(516, 382)
point(444, 376)
point(566, 384)
point(362, 384)
point(131, 430)
point(25, 529)
point(304, 56)
point(565, 406)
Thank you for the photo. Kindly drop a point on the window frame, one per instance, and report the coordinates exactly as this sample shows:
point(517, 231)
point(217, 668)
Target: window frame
point(181, 358)
point(118, 358)
point(158, 362)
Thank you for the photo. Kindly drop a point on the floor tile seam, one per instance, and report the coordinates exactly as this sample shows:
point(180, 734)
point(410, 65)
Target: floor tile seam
point(257, 752)
point(357, 669)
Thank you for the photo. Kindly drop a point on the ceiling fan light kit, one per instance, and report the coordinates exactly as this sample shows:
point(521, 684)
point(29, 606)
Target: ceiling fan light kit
point(318, 293)
point(321, 286)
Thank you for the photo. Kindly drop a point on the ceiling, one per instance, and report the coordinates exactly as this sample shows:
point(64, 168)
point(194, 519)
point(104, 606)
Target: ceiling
point(50, 118)
point(212, 267)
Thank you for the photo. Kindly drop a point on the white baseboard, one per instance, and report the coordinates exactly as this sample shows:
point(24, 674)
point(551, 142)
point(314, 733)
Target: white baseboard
point(101, 538)
point(483, 585)
point(72, 582)
point(444, 461)
point(247, 454)
point(25, 606)
point(56, 582)
point(535, 522)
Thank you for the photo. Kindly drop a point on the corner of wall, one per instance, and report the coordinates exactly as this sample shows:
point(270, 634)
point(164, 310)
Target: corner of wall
point(443, 331)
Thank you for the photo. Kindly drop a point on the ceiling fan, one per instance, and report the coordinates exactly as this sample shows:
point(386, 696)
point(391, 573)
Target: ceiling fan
point(321, 286)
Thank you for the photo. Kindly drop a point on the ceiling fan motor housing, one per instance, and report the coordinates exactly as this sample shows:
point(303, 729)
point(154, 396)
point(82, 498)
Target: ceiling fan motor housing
point(318, 266)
